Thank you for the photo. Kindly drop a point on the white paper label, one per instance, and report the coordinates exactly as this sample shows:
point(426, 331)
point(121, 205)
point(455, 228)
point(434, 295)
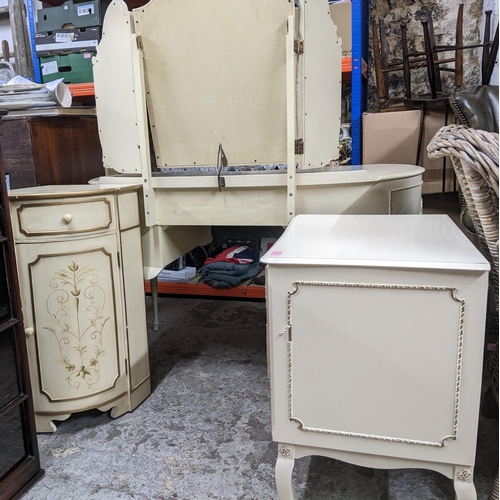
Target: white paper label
point(85, 10)
point(49, 68)
point(64, 37)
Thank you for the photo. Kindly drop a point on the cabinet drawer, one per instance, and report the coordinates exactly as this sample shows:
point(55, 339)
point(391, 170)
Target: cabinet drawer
point(69, 217)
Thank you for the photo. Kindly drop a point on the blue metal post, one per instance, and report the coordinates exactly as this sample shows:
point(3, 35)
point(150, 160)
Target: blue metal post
point(360, 15)
point(31, 26)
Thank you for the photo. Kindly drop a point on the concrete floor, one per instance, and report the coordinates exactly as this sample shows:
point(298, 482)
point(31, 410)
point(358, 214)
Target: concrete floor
point(204, 433)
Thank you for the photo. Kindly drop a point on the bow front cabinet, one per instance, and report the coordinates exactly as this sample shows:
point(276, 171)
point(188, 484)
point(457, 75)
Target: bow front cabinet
point(82, 292)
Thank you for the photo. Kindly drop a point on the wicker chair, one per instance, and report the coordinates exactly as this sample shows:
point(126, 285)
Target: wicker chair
point(474, 155)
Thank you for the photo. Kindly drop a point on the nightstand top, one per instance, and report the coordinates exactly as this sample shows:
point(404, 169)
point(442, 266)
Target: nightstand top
point(392, 241)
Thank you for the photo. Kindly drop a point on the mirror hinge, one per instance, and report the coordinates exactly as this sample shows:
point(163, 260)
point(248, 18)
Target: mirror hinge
point(298, 46)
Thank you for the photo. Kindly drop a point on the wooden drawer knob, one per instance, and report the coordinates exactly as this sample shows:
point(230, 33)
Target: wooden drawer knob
point(68, 218)
point(29, 331)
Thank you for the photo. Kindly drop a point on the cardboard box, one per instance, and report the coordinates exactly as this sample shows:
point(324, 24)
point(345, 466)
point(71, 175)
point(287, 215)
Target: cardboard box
point(70, 15)
point(392, 137)
point(439, 175)
point(74, 68)
point(182, 276)
point(67, 41)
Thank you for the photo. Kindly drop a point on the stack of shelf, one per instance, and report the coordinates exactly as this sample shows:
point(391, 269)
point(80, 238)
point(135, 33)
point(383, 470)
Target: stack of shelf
point(197, 289)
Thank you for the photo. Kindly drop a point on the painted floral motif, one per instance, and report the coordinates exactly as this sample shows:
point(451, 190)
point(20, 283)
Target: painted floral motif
point(76, 306)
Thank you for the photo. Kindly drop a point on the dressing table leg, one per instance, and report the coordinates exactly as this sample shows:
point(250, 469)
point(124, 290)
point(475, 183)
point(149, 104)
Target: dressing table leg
point(284, 468)
point(154, 296)
point(463, 484)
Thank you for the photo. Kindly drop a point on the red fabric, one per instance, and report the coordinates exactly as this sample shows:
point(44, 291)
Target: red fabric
point(236, 254)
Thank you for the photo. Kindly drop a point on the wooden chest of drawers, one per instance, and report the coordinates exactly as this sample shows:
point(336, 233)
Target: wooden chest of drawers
point(43, 150)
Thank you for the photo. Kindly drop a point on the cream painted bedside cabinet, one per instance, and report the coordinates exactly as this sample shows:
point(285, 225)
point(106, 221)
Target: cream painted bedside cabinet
point(375, 344)
point(82, 291)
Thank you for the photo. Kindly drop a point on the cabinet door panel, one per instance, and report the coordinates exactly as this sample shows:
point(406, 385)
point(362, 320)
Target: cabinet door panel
point(9, 384)
point(133, 277)
point(12, 450)
point(77, 343)
point(5, 307)
point(375, 357)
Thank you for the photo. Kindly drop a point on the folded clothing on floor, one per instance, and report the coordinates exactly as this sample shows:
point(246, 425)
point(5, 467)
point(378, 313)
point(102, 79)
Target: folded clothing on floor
point(227, 274)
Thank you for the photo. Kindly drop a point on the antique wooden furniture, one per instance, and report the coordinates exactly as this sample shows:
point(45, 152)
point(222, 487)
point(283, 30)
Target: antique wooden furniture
point(48, 147)
point(82, 290)
point(477, 107)
point(412, 59)
point(490, 51)
point(397, 385)
point(432, 52)
point(19, 458)
point(429, 58)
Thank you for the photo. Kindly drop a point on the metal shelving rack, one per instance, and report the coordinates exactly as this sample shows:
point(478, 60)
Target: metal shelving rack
point(360, 23)
point(31, 26)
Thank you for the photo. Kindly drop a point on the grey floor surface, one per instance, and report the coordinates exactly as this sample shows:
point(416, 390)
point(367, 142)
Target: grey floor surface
point(205, 433)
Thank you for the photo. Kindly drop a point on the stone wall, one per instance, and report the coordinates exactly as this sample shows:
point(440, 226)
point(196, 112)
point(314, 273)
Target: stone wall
point(411, 12)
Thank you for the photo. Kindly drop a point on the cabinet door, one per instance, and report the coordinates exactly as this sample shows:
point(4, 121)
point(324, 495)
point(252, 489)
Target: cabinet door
point(19, 458)
point(15, 436)
point(71, 295)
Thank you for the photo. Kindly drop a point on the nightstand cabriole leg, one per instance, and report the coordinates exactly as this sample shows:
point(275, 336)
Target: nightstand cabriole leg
point(463, 484)
point(284, 468)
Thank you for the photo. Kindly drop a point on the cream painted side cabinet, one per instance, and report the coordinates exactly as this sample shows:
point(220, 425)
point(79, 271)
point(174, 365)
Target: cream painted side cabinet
point(375, 335)
point(82, 291)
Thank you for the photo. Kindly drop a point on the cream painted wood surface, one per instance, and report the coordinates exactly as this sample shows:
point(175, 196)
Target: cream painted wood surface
point(234, 74)
point(262, 199)
point(322, 85)
point(81, 272)
point(83, 216)
point(115, 92)
point(397, 386)
point(203, 91)
point(215, 73)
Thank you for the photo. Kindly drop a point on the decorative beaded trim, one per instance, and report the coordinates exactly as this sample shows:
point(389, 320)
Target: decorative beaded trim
point(401, 189)
point(458, 111)
point(417, 171)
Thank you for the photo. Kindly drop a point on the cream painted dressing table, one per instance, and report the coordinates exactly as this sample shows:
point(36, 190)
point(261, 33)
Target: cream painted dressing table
point(187, 90)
